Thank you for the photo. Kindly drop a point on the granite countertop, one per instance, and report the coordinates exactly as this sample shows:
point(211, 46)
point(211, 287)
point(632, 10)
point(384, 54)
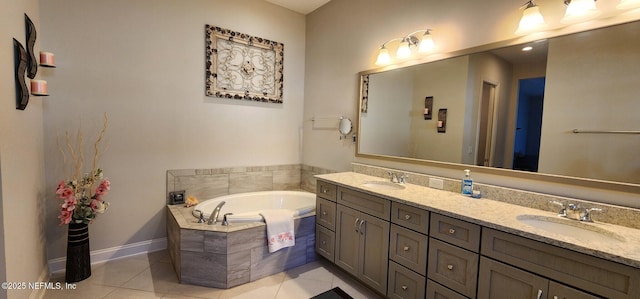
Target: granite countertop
point(619, 244)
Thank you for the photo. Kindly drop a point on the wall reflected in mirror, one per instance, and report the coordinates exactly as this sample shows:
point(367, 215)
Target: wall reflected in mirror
point(514, 109)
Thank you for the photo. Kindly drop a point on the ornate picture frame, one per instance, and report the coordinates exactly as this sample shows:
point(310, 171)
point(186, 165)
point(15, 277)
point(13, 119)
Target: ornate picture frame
point(243, 67)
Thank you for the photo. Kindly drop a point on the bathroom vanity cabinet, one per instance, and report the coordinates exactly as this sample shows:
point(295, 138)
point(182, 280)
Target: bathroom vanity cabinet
point(404, 251)
point(362, 237)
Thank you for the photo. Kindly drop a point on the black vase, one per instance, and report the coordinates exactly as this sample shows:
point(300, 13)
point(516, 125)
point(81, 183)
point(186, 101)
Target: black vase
point(78, 258)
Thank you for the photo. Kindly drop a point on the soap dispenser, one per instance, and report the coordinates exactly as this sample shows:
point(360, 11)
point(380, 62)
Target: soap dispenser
point(467, 183)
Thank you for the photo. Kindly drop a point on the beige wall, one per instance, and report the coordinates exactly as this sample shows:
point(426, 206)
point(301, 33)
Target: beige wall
point(22, 166)
point(142, 62)
point(342, 40)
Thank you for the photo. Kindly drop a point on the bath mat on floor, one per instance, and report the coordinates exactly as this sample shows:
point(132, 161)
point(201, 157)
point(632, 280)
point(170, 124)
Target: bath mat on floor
point(335, 293)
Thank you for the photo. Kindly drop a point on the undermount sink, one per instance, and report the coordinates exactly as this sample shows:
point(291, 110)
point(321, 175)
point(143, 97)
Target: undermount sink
point(383, 185)
point(573, 229)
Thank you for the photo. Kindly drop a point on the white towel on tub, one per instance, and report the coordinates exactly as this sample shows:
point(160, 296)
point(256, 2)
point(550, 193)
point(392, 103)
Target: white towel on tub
point(279, 228)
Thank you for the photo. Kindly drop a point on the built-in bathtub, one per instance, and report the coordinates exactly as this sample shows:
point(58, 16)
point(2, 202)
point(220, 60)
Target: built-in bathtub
point(226, 256)
point(246, 207)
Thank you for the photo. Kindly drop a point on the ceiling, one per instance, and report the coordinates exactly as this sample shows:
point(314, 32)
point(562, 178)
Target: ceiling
point(301, 6)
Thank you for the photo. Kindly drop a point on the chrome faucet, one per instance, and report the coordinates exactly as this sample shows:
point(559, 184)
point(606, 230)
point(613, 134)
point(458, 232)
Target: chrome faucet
point(574, 211)
point(225, 221)
point(201, 218)
point(396, 178)
point(213, 219)
point(586, 217)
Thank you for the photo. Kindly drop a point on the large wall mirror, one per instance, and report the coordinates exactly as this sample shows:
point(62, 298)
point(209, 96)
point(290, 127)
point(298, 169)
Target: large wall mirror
point(518, 110)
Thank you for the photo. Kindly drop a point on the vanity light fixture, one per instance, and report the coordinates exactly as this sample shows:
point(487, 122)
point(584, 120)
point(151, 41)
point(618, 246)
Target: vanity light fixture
point(531, 19)
point(579, 10)
point(425, 45)
point(628, 4)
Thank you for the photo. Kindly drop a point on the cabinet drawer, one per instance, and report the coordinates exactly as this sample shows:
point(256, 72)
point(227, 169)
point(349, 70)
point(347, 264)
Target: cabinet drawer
point(592, 274)
point(404, 283)
point(410, 217)
point(437, 291)
point(326, 213)
point(325, 240)
point(374, 206)
point(558, 291)
point(408, 248)
point(326, 190)
point(453, 267)
point(500, 281)
point(456, 232)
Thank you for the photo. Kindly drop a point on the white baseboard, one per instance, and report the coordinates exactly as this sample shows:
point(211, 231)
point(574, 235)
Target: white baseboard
point(114, 253)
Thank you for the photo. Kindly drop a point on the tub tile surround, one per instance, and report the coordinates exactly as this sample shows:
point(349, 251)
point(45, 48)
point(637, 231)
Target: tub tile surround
point(210, 183)
point(497, 214)
point(227, 256)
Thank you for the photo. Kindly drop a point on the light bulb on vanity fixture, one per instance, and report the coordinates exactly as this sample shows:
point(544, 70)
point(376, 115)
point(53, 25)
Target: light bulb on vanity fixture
point(579, 10)
point(531, 20)
point(425, 45)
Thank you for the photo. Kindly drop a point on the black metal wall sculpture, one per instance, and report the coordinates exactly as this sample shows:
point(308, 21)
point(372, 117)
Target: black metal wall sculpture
point(31, 41)
point(20, 62)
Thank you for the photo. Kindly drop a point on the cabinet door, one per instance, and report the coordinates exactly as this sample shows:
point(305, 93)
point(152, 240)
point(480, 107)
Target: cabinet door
point(500, 281)
point(374, 252)
point(559, 291)
point(347, 239)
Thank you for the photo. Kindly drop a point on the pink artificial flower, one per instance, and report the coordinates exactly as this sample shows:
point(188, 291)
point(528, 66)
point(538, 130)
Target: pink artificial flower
point(104, 186)
point(65, 216)
point(64, 192)
point(69, 204)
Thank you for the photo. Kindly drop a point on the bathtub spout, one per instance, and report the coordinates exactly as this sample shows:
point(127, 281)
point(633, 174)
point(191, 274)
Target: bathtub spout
point(213, 219)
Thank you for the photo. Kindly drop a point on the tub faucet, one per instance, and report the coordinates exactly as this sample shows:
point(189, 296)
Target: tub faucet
point(213, 219)
point(225, 221)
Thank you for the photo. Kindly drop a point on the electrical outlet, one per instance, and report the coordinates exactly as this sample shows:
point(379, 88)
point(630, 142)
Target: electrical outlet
point(436, 183)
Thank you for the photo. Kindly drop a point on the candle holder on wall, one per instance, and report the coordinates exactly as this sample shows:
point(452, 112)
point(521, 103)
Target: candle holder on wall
point(20, 63)
point(31, 41)
point(428, 108)
point(47, 60)
point(442, 121)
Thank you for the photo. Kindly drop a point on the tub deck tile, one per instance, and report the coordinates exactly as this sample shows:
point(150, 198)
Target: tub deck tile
point(246, 239)
point(205, 269)
point(192, 240)
point(215, 242)
point(264, 263)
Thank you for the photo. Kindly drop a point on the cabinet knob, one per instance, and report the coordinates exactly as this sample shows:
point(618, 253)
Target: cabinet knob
point(452, 231)
point(450, 267)
point(324, 213)
point(404, 288)
point(406, 248)
point(324, 242)
point(407, 217)
point(324, 190)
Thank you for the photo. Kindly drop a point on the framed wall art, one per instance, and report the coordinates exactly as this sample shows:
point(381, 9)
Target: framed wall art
point(243, 67)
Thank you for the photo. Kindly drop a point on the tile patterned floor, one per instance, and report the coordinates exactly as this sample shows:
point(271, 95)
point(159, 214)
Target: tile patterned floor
point(152, 276)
